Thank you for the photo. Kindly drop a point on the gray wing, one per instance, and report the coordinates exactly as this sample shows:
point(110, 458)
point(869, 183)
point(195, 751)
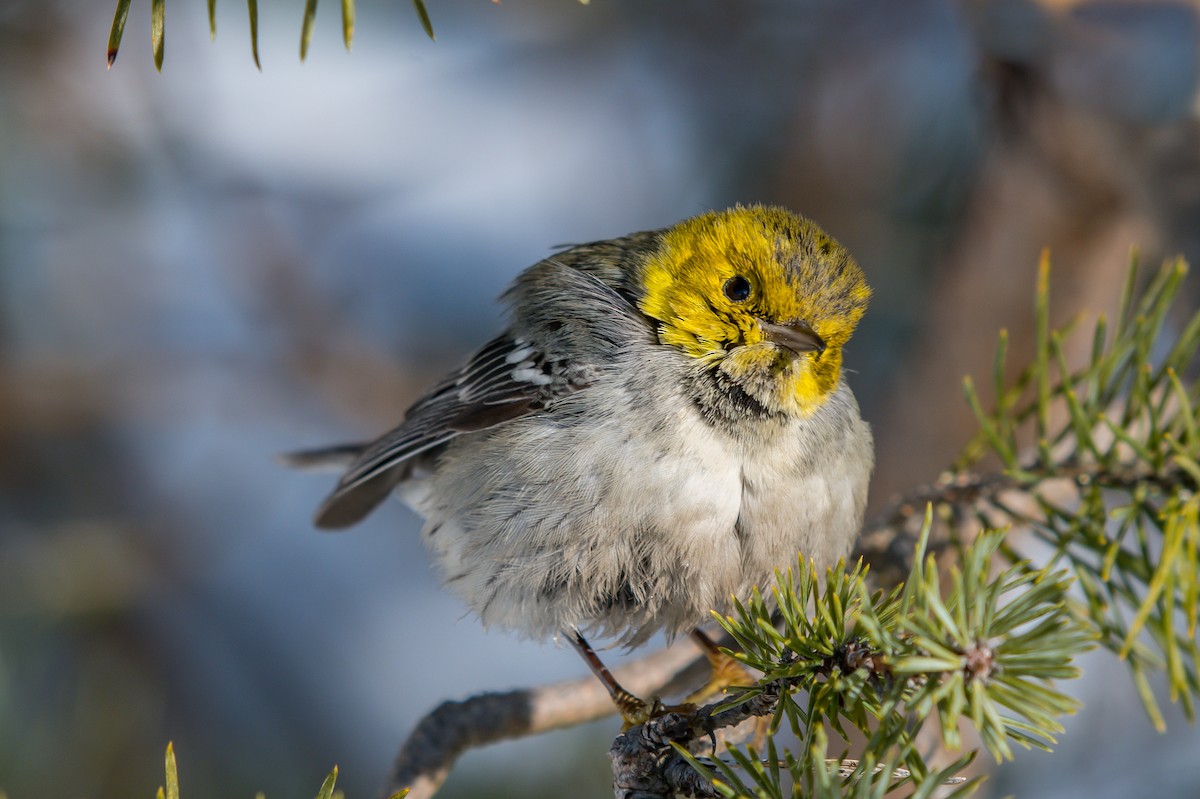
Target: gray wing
point(568, 321)
point(506, 379)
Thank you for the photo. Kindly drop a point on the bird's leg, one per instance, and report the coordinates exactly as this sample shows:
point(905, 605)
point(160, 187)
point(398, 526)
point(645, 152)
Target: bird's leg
point(633, 710)
point(726, 671)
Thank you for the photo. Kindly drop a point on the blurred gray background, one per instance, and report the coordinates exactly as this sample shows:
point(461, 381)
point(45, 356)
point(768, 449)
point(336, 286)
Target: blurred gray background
point(202, 268)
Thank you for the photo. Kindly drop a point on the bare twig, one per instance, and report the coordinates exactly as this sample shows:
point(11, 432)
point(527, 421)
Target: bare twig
point(456, 726)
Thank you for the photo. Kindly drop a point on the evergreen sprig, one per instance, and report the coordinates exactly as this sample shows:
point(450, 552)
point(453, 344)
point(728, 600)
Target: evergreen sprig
point(984, 653)
point(1110, 480)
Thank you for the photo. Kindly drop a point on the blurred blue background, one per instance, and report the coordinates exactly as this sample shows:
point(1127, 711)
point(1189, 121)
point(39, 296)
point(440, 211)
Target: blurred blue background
point(202, 268)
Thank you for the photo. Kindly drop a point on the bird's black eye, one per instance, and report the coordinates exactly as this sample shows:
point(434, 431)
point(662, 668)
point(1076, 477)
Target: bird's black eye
point(737, 288)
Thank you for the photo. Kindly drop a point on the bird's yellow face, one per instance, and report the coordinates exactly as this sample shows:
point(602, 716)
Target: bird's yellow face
point(761, 294)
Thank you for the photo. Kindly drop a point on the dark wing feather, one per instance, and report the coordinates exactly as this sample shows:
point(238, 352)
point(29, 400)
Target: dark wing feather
point(570, 304)
point(505, 380)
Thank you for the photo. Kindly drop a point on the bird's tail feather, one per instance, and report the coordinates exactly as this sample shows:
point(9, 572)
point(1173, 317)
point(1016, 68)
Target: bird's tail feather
point(332, 458)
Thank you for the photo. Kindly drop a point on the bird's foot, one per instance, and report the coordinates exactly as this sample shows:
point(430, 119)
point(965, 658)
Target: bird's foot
point(727, 672)
point(635, 711)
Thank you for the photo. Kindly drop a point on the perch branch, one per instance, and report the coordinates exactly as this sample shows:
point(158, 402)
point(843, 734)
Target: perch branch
point(456, 726)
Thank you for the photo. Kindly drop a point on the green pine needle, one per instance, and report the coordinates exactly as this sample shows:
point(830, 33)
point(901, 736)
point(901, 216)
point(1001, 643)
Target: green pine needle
point(117, 31)
point(306, 27)
point(326, 791)
point(171, 789)
point(423, 15)
point(157, 31)
point(252, 8)
point(348, 23)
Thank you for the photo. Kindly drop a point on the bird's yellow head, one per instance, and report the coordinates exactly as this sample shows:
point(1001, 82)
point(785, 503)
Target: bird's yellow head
point(761, 294)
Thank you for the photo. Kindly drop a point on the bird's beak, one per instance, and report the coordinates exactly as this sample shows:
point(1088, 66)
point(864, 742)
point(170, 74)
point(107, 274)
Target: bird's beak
point(798, 337)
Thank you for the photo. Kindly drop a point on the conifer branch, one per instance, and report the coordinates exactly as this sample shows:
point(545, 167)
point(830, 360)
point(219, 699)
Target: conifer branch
point(984, 653)
point(1100, 465)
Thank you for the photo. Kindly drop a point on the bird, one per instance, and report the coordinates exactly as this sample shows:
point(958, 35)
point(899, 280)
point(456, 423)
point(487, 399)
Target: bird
point(663, 423)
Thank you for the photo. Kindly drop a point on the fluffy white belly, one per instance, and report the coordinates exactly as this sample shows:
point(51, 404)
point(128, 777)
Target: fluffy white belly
point(546, 527)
